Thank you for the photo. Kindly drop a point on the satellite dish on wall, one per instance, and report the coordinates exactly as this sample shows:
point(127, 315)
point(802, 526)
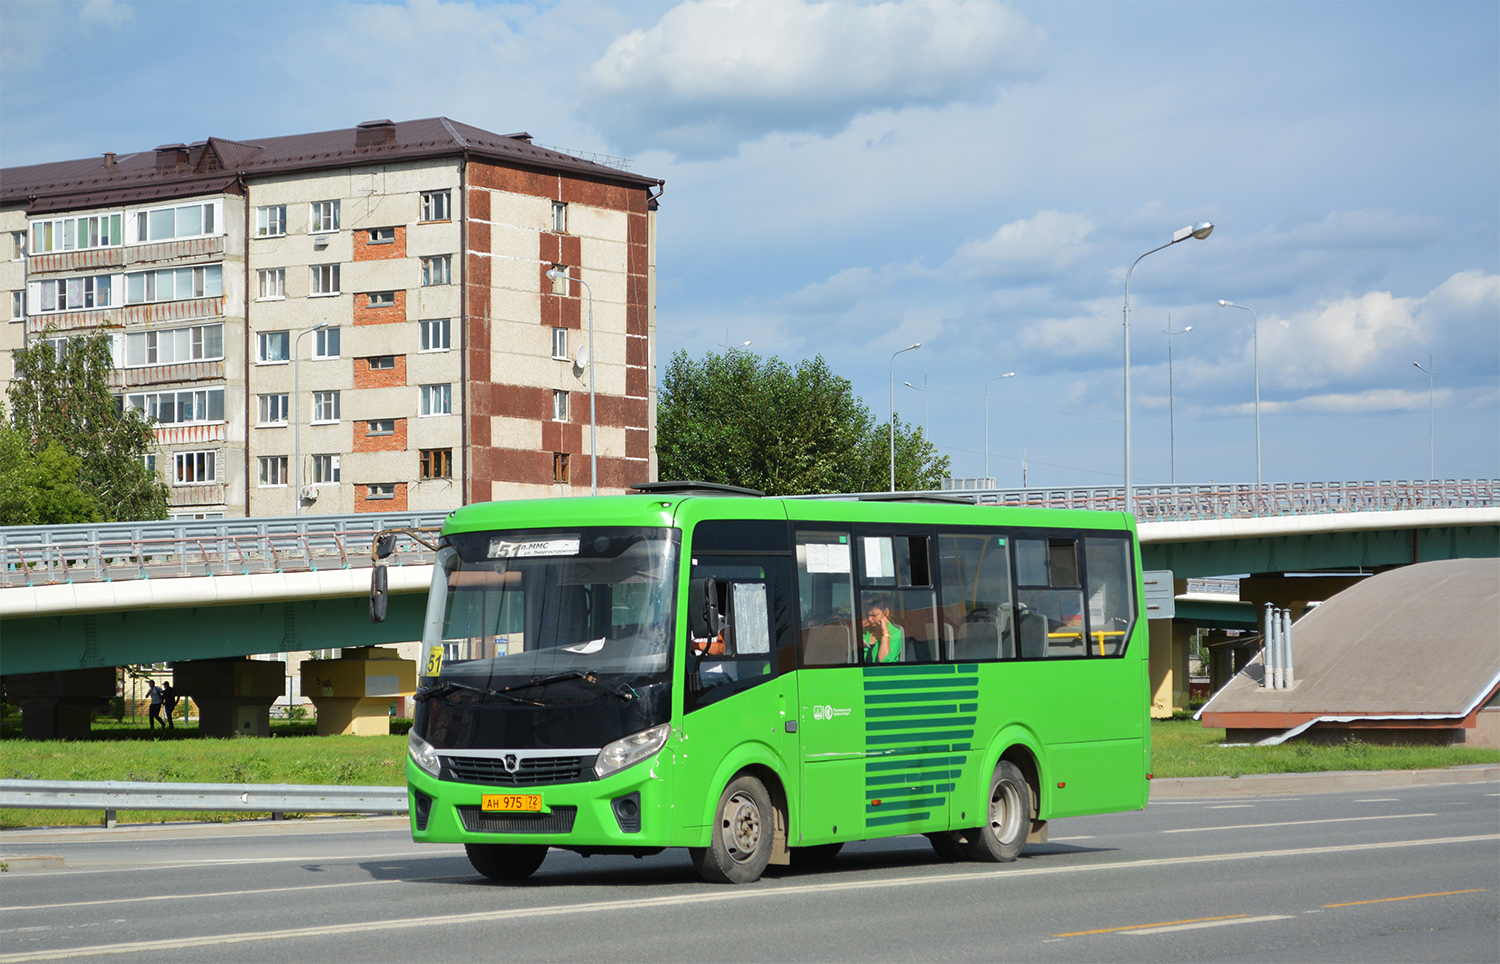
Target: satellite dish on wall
point(583, 356)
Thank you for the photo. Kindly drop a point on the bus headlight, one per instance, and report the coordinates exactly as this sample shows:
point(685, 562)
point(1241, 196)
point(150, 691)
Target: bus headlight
point(631, 749)
point(423, 753)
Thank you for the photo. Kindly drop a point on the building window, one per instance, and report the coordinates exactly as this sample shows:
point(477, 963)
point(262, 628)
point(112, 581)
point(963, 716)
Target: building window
point(559, 217)
point(381, 426)
point(195, 467)
point(382, 235)
point(325, 279)
point(382, 362)
point(270, 221)
point(272, 470)
point(326, 343)
point(272, 283)
point(17, 245)
point(559, 406)
point(71, 234)
point(560, 279)
point(149, 461)
point(273, 347)
point(381, 299)
point(325, 217)
point(179, 408)
point(183, 221)
point(435, 334)
point(436, 206)
point(273, 409)
point(197, 343)
point(18, 306)
point(437, 463)
point(437, 270)
point(380, 490)
point(325, 470)
point(325, 407)
point(437, 400)
point(174, 284)
point(560, 467)
point(76, 294)
point(560, 343)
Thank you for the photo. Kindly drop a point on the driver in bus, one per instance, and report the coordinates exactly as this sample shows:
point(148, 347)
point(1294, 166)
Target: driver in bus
point(883, 638)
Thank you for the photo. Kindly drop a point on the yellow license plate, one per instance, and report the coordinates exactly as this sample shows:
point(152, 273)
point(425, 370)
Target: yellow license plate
point(511, 802)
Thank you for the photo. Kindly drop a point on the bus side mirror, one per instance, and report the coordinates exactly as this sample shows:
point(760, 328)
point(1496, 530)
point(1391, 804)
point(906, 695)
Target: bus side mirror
point(385, 545)
point(379, 594)
point(704, 619)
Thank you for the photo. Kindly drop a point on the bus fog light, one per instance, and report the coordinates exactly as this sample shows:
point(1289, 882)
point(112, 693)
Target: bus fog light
point(423, 753)
point(631, 749)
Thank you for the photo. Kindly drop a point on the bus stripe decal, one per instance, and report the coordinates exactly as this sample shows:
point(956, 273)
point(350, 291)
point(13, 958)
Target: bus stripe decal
point(908, 709)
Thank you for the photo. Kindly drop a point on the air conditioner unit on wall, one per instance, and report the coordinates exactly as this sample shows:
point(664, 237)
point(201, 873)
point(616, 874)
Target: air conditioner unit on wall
point(321, 241)
point(310, 493)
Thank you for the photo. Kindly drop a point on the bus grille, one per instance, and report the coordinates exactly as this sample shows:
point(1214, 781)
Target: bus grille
point(532, 772)
point(560, 820)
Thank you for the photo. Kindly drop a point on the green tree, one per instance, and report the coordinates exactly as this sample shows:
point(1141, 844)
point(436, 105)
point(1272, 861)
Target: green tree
point(63, 398)
point(739, 419)
point(40, 488)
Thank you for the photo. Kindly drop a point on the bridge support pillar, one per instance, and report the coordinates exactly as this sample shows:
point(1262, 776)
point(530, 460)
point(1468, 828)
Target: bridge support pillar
point(234, 695)
point(1170, 687)
point(354, 692)
point(61, 705)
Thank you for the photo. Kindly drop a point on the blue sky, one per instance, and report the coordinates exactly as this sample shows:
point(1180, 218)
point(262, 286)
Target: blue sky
point(848, 178)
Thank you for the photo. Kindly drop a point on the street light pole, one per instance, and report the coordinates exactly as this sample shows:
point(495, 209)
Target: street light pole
point(1255, 351)
point(924, 390)
point(297, 410)
point(555, 274)
point(989, 478)
point(1171, 403)
point(1431, 448)
point(911, 347)
point(1200, 231)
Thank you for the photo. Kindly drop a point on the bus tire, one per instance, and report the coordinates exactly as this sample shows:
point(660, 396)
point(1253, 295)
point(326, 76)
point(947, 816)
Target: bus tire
point(1001, 838)
point(948, 847)
point(744, 825)
point(506, 861)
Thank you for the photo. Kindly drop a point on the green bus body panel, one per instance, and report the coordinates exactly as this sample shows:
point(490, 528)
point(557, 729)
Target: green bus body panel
point(876, 751)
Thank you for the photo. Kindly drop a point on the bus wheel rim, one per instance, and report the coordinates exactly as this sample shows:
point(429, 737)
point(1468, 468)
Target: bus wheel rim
point(1005, 811)
point(741, 826)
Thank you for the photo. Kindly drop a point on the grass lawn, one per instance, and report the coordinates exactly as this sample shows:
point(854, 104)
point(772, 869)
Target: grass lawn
point(294, 754)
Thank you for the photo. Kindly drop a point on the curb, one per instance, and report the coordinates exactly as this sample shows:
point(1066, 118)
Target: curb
point(19, 865)
point(1278, 784)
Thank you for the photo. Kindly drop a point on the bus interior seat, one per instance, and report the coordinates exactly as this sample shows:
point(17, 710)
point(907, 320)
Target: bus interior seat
point(1033, 635)
point(831, 644)
point(981, 638)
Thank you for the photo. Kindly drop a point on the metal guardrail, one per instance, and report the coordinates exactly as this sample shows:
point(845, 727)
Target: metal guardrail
point(277, 799)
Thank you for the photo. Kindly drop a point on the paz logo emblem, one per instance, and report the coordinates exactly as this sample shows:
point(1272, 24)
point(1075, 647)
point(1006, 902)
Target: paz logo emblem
point(511, 763)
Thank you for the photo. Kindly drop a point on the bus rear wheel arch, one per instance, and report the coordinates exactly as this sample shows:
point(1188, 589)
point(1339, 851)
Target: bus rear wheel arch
point(743, 833)
point(506, 861)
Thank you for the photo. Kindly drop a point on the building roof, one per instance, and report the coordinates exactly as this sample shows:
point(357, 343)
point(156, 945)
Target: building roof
point(212, 166)
point(1418, 641)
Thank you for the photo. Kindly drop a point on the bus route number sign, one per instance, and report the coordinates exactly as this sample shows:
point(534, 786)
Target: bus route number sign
point(511, 802)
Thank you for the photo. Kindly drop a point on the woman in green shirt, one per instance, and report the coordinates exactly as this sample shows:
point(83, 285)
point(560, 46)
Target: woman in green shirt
point(882, 638)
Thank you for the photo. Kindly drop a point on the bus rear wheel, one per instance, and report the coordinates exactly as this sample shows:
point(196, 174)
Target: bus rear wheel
point(740, 846)
point(506, 861)
point(1001, 838)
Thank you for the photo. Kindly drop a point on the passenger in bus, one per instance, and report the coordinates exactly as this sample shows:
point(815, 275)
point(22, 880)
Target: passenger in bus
point(883, 638)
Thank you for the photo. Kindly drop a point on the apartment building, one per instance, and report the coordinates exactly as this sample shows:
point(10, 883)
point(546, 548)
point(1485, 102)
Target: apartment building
point(369, 319)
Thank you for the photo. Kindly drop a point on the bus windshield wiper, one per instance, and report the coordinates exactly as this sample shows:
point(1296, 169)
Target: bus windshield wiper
point(444, 687)
point(623, 692)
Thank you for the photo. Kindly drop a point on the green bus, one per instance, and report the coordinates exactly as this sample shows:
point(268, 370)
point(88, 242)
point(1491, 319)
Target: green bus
point(760, 680)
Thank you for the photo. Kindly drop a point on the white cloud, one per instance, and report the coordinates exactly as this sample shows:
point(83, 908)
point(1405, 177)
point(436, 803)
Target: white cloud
point(107, 12)
point(713, 73)
point(1043, 245)
point(1367, 402)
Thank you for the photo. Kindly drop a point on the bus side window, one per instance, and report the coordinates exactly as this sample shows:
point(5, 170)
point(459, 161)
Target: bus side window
point(976, 608)
point(1111, 590)
point(825, 590)
point(736, 654)
point(1049, 598)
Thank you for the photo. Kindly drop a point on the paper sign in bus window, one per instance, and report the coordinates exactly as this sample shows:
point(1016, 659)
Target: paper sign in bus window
point(752, 631)
point(827, 557)
point(880, 560)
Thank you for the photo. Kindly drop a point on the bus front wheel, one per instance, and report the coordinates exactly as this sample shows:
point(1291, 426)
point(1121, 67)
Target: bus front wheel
point(506, 861)
point(740, 846)
point(1001, 838)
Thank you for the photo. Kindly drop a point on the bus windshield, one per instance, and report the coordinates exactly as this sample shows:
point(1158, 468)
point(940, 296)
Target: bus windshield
point(519, 607)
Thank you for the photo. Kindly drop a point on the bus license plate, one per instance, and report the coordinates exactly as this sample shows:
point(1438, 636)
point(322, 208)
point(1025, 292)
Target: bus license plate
point(511, 802)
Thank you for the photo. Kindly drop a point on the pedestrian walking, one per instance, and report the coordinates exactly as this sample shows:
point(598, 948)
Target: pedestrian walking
point(169, 703)
point(156, 700)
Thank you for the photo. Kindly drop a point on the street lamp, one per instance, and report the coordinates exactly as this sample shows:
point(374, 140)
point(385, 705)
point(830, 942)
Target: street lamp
point(562, 274)
point(987, 476)
point(1171, 405)
point(297, 407)
point(924, 390)
point(1200, 231)
point(1430, 371)
point(728, 347)
point(1255, 341)
point(912, 347)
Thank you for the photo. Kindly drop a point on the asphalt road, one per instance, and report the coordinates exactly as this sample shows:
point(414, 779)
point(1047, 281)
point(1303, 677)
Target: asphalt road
point(1408, 874)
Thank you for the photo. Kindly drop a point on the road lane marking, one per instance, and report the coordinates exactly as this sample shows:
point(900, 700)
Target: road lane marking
point(1126, 927)
point(224, 893)
point(1233, 806)
point(706, 896)
point(1387, 900)
point(136, 867)
point(1300, 823)
point(1194, 927)
point(1379, 800)
point(1061, 839)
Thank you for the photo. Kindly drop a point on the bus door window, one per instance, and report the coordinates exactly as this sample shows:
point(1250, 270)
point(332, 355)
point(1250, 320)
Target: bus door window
point(1111, 592)
point(729, 630)
point(825, 592)
point(1050, 598)
point(898, 607)
point(977, 616)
